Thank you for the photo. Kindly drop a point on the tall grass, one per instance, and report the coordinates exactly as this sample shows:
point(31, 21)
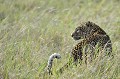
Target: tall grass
point(31, 30)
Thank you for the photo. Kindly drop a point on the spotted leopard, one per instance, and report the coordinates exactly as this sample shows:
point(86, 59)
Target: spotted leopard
point(93, 35)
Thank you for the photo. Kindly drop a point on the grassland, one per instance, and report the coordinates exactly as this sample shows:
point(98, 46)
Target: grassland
point(31, 30)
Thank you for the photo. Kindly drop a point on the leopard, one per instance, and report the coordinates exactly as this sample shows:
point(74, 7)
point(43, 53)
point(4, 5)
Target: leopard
point(91, 36)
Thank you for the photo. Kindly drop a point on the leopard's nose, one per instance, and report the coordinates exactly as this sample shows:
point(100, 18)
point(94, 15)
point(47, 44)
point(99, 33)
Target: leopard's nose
point(72, 34)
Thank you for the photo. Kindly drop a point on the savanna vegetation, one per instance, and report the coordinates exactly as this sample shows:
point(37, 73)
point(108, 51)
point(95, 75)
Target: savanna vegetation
point(31, 30)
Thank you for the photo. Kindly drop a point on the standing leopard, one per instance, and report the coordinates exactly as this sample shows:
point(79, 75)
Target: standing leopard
point(90, 36)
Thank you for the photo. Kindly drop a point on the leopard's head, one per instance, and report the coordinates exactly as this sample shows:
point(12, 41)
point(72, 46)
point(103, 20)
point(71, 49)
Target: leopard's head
point(85, 29)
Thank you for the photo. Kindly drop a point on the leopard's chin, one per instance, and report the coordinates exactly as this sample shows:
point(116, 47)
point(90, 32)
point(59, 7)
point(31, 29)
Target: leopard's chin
point(76, 38)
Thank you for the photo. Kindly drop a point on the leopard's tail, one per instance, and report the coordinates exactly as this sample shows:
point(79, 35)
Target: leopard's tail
point(63, 68)
point(50, 61)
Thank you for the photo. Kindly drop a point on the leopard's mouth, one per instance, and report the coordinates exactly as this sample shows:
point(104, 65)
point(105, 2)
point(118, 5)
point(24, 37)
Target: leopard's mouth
point(76, 37)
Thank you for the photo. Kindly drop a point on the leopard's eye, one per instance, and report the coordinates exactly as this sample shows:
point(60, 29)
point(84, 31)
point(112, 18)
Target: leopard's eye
point(78, 31)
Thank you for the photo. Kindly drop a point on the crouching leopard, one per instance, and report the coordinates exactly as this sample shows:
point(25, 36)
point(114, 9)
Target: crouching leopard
point(90, 36)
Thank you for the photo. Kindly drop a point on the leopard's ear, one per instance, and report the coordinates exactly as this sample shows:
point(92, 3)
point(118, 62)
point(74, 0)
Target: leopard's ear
point(89, 24)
